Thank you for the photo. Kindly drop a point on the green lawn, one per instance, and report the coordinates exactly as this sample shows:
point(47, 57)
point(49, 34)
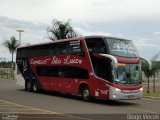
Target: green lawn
point(156, 94)
point(151, 94)
point(6, 75)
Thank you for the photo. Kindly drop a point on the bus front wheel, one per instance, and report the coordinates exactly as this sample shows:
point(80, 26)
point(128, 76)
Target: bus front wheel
point(86, 94)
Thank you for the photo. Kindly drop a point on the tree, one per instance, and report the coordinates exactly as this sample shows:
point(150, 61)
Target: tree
point(153, 72)
point(61, 30)
point(147, 72)
point(155, 68)
point(11, 45)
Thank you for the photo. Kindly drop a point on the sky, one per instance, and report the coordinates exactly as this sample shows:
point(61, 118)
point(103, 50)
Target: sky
point(137, 20)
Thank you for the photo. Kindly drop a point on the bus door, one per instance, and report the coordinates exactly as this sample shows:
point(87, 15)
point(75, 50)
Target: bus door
point(101, 66)
point(103, 70)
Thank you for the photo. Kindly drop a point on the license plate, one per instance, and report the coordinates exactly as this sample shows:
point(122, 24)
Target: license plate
point(130, 96)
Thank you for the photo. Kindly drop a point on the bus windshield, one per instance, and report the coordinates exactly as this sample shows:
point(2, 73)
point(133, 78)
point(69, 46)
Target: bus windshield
point(122, 48)
point(128, 74)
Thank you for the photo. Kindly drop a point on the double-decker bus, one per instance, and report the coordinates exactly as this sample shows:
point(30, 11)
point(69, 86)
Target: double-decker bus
point(92, 66)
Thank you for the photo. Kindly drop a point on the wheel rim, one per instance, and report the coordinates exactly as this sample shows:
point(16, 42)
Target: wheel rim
point(86, 94)
point(34, 88)
point(28, 85)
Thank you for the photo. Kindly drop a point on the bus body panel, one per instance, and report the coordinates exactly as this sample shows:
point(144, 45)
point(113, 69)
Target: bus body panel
point(54, 72)
point(69, 85)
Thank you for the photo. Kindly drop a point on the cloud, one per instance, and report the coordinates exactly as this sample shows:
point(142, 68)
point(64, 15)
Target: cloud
point(121, 18)
point(156, 33)
point(80, 10)
point(85, 25)
point(88, 33)
point(33, 32)
point(146, 47)
point(31, 29)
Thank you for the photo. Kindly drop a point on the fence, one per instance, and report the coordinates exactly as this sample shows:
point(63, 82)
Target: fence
point(7, 73)
point(151, 83)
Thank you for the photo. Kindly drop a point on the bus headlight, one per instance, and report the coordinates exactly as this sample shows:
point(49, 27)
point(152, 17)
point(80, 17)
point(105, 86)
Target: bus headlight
point(118, 90)
point(141, 89)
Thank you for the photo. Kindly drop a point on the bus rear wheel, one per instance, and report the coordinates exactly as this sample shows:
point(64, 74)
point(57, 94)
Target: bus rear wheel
point(28, 85)
point(36, 87)
point(86, 94)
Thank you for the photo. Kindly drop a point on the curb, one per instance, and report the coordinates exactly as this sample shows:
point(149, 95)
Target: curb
point(6, 79)
point(150, 97)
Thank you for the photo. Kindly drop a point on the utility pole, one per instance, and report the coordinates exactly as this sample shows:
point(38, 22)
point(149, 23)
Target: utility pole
point(20, 31)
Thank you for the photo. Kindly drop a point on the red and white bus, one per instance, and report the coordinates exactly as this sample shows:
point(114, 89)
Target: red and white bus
point(92, 66)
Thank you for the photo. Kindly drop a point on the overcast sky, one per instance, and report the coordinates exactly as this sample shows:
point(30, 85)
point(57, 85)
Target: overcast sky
point(138, 20)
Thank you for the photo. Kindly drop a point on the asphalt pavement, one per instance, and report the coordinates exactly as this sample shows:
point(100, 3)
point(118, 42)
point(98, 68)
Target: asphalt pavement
point(50, 105)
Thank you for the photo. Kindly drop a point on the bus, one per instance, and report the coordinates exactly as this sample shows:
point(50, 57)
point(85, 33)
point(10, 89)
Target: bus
point(92, 66)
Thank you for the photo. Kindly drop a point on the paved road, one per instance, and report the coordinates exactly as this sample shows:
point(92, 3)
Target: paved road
point(69, 106)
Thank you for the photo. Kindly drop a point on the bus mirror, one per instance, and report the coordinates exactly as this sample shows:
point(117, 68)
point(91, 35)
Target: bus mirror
point(114, 59)
point(137, 68)
point(149, 62)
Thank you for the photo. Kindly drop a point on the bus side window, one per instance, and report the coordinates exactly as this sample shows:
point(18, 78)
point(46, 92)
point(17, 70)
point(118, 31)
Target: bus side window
point(61, 49)
point(24, 53)
point(96, 45)
point(62, 72)
point(76, 72)
point(102, 68)
point(47, 71)
point(75, 48)
point(52, 49)
point(40, 51)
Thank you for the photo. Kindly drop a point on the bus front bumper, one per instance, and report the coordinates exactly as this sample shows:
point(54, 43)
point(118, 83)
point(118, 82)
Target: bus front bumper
point(117, 94)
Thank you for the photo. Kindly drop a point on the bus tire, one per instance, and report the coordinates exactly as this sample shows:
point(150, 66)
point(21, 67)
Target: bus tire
point(36, 87)
point(86, 94)
point(28, 85)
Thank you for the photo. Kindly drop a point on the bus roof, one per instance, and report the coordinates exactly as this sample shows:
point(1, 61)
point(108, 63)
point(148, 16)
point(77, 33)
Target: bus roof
point(101, 36)
point(62, 40)
point(45, 43)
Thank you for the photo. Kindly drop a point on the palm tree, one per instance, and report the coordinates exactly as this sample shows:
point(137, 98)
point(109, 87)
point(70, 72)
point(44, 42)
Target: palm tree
point(153, 72)
point(147, 72)
point(11, 45)
point(60, 30)
point(155, 68)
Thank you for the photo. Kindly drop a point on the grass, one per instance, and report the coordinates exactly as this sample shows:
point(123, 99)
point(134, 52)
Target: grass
point(151, 94)
point(6, 75)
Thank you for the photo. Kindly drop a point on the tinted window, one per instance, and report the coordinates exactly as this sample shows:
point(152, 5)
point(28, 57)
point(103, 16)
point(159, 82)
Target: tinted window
point(63, 48)
point(102, 68)
point(22, 53)
point(63, 72)
point(120, 47)
point(42, 50)
point(96, 45)
point(60, 48)
point(75, 48)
